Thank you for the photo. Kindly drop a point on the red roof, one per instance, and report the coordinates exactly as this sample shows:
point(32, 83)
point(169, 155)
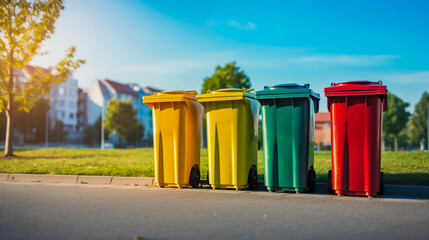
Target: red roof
point(322, 117)
point(121, 88)
point(151, 90)
point(32, 69)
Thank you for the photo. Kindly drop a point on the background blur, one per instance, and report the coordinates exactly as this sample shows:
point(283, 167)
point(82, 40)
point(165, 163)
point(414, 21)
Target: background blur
point(134, 48)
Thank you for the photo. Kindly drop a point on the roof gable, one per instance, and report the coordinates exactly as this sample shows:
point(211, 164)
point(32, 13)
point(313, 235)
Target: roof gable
point(120, 88)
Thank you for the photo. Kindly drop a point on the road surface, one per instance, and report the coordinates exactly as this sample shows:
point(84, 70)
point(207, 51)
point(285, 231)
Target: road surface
point(79, 211)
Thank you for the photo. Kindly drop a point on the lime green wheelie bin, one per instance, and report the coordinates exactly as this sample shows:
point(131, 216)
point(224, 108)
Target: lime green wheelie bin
point(232, 137)
point(288, 136)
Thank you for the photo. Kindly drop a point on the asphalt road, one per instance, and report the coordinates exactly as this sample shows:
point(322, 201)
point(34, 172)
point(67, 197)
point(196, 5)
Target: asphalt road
point(78, 211)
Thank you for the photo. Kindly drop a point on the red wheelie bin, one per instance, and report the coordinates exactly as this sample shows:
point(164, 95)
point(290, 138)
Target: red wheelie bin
point(356, 109)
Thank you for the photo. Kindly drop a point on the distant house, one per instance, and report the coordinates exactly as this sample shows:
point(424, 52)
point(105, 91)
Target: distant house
point(322, 130)
point(63, 101)
point(150, 90)
point(63, 107)
point(82, 110)
point(101, 92)
point(144, 114)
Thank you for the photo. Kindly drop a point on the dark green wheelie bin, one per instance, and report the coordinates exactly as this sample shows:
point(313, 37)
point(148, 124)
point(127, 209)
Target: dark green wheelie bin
point(288, 136)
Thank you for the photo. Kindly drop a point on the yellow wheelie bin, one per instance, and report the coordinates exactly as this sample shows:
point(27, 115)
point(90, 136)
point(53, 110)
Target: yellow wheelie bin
point(232, 137)
point(177, 117)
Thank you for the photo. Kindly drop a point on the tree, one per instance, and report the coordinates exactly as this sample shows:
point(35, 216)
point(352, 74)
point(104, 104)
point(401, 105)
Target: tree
point(121, 120)
point(93, 133)
point(395, 118)
point(24, 25)
point(33, 121)
point(59, 133)
point(229, 76)
point(419, 121)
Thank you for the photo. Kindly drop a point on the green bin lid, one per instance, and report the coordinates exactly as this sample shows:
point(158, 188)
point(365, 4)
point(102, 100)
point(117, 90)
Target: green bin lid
point(287, 90)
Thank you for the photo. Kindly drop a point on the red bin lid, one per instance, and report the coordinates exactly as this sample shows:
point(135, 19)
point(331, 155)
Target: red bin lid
point(351, 88)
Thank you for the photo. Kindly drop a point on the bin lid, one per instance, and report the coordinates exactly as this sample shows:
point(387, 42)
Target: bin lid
point(287, 90)
point(353, 88)
point(171, 96)
point(226, 94)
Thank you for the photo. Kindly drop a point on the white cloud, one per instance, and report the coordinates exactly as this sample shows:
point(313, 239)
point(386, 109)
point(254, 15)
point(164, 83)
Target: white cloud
point(407, 78)
point(362, 60)
point(249, 26)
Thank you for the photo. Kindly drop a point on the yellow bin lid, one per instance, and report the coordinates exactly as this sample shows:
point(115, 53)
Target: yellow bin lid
point(171, 96)
point(226, 94)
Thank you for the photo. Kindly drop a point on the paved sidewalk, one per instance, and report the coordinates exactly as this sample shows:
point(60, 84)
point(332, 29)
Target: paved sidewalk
point(390, 190)
point(36, 210)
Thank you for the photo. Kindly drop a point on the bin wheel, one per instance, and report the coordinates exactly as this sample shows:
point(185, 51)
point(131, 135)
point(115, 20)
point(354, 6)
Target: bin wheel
point(253, 178)
point(330, 189)
point(311, 180)
point(194, 178)
point(381, 193)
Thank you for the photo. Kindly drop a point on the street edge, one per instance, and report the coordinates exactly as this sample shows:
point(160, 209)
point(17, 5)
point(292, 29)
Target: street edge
point(389, 190)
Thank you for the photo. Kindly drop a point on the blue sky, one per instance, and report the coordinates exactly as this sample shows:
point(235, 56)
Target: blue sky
point(175, 44)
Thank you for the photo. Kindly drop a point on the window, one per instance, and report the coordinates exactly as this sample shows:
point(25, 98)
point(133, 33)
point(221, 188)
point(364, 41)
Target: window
point(61, 91)
point(72, 105)
point(71, 115)
point(61, 103)
point(73, 92)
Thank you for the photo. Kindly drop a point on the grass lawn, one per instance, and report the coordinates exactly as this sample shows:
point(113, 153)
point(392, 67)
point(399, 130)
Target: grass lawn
point(406, 168)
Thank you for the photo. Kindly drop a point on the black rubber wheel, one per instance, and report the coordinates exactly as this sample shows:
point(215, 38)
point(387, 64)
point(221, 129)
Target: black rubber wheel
point(311, 180)
point(253, 178)
point(330, 189)
point(381, 193)
point(194, 178)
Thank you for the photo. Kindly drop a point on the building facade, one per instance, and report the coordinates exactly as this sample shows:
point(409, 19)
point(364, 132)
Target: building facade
point(101, 92)
point(82, 110)
point(322, 131)
point(64, 108)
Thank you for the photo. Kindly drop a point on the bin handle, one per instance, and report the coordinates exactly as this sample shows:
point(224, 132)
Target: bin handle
point(380, 82)
point(247, 89)
point(332, 84)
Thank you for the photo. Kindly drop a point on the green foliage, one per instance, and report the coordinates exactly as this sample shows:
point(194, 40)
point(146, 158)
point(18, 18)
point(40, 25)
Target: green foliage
point(27, 122)
point(93, 134)
point(35, 119)
point(229, 76)
point(419, 121)
point(121, 120)
point(59, 133)
point(24, 25)
point(395, 117)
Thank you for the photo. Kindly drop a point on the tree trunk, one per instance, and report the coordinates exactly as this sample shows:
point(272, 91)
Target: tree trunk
point(8, 149)
point(395, 142)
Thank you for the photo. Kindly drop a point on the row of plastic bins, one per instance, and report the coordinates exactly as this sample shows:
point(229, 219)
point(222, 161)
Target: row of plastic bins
point(232, 118)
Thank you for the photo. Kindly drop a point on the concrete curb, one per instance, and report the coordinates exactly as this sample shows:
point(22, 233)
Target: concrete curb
point(389, 190)
point(133, 181)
